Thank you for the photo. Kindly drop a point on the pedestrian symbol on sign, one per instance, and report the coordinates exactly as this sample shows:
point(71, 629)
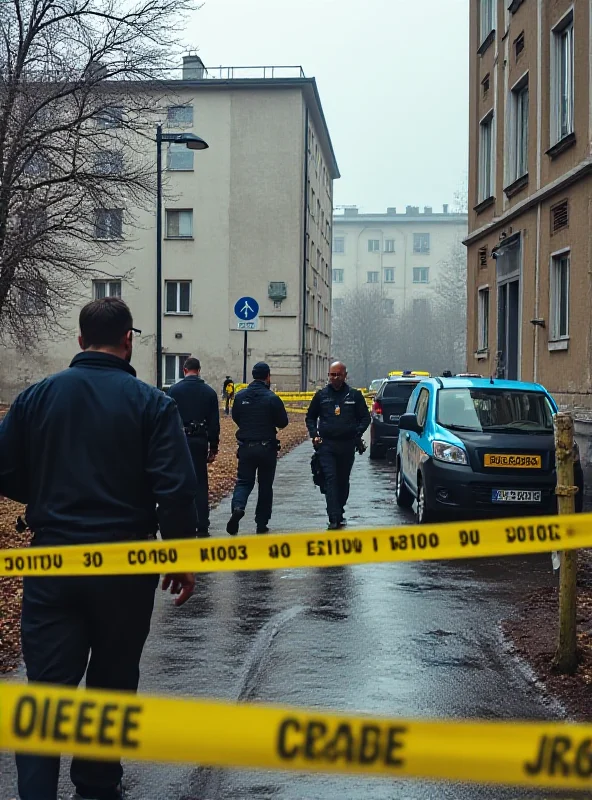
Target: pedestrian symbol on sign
point(247, 308)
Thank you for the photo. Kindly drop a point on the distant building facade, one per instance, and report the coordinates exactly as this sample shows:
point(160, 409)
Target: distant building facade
point(399, 253)
point(252, 215)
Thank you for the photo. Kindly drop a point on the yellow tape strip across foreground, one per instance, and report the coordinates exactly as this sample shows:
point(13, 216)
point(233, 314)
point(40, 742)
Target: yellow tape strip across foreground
point(317, 549)
point(53, 720)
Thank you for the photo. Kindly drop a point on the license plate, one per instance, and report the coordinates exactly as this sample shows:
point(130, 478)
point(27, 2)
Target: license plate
point(515, 496)
point(512, 461)
point(395, 417)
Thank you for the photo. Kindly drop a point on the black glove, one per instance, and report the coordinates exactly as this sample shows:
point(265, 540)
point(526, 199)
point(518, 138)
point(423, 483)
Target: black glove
point(360, 446)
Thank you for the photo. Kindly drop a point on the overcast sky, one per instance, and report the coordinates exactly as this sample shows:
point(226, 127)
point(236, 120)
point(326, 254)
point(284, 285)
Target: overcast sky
point(393, 80)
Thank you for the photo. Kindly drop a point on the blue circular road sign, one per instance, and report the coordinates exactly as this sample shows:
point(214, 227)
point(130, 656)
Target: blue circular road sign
point(247, 308)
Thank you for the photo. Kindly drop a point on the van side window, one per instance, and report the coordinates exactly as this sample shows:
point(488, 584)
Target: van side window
point(421, 407)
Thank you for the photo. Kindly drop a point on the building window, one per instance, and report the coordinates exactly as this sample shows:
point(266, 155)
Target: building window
point(339, 244)
point(486, 159)
point(483, 319)
point(106, 289)
point(487, 18)
point(337, 303)
point(111, 117)
point(173, 368)
point(179, 116)
point(388, 306)
point(179, 224)
point(421, 274)
point(372, 277)
point(373, 245)
point(562, 76)
point(559, 216)
point(389, 245)
point(33, 297)
point(421, 306)
point(559, 291)
point(337, 276)
point(179, 157)
point(519, 124)
point(421, 242)
point(107, 162)
point(483, 257)
point(389, 275)
point(178, 297)
point(108, 223)
point(485, 85)
point(519, 46)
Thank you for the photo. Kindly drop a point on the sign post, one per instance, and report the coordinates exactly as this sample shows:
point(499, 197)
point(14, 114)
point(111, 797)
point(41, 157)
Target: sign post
point(246, 310)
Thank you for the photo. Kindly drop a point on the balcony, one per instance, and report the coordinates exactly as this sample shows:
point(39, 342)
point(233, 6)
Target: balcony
point(252, 73)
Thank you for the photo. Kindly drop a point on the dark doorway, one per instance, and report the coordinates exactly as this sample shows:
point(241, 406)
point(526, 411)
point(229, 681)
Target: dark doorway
point(508, 309)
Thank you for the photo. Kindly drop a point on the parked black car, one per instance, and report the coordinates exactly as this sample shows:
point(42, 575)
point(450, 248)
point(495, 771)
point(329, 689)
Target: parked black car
point(390, 402)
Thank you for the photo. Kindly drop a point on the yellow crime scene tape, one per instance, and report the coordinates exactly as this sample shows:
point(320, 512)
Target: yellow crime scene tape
point(50, 720)
point(316, 549)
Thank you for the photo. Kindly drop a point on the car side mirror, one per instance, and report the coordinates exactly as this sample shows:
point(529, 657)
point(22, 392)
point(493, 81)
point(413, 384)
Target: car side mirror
point(408, 422)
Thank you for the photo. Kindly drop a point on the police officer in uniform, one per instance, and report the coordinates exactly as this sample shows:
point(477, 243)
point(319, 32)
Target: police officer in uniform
point(258, 412)
point(97, 456)
point(336, 420)
point(198, 406)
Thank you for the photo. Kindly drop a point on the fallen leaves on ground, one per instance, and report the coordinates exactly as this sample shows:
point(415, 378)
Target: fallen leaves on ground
point(221, 481)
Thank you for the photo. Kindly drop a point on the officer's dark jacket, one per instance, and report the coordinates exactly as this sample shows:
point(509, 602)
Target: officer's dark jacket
point(198, 402)
point(351, 420)
point(258, 412)
point(92, 450)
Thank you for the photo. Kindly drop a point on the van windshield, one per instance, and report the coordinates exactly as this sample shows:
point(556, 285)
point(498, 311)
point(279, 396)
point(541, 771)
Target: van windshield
point(495, 411)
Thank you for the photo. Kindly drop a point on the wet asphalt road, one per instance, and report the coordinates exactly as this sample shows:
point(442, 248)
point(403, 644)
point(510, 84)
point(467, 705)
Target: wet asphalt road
point(417, 640)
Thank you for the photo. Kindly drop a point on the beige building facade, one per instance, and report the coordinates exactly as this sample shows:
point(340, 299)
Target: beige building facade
point(402, 254)
point(250, 216)
point(530, 194)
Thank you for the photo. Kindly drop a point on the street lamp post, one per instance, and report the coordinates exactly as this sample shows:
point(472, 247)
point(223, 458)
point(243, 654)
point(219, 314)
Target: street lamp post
point(193, 142)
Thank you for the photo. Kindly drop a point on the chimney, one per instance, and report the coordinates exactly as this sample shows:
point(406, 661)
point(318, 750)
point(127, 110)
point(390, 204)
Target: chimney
point(412, 210)
point(427, 209)
point(193, 68)
point(350, 212)
point(391, 211)
point(445, 208)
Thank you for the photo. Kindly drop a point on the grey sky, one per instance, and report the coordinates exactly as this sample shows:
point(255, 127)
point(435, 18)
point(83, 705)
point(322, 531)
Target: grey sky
point(393, 80)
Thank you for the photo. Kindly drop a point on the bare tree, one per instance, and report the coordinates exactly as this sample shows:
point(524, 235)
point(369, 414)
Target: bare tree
point(77, 97)
point(364, 334)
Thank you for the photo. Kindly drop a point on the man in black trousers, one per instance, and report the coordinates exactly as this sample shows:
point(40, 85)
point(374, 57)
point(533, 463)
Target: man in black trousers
point(198, 406)
point(92, 452)
point(336, 420)
point(258, 412)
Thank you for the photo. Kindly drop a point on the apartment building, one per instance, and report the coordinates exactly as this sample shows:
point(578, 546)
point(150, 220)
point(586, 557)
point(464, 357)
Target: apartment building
point(530, 194)
point(400, 253)
point(250, 216)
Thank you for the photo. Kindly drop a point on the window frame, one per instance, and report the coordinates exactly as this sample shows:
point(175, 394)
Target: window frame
point(486, 181)
point(178, 312)
point(110, 237)
point(108, 282)
point(483, 310)
point(373, 249)
point(420, 410)
point(174, 123)
point(517, 165)
point(168, 212)
point(565, 24)
point(388, 306)
point(178, 366)
point(555, 295)
point(375, 279)
point(34, 304)
point(107, 120)
point(389, 246)
point(417, 270)
point(182, 149)
point(337, 275)
point(334, 245)
point(389, 270)
point(418, 247)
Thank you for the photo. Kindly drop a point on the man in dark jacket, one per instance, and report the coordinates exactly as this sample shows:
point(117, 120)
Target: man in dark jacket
point(336, 420)
point(93, 451)
point(258, 412)
point(198, 406)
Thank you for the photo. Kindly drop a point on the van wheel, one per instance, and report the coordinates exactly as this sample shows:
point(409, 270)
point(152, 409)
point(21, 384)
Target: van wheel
point(423, 514)
point(403, 496)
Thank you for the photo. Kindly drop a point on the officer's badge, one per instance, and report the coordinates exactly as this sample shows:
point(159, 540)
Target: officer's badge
point(337, 410)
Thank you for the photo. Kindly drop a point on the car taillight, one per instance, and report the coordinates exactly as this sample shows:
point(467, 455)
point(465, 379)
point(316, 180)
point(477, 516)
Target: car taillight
point(377, 408)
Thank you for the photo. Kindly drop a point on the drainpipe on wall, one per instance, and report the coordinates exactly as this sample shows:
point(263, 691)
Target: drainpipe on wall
point(304, 364)
point(537, 264)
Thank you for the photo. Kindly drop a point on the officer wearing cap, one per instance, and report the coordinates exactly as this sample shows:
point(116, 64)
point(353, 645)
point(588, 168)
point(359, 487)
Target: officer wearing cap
point(198, 406)
point(336, 420)
point(258, 412)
